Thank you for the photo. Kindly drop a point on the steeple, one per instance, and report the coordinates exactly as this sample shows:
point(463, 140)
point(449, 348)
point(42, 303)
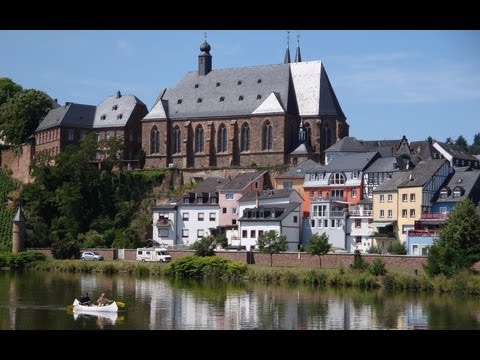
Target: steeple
point(298, 56)
point(287, 52)
point(204, 59)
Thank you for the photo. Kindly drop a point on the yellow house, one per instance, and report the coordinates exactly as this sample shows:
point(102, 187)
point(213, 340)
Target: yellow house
point(294, 177)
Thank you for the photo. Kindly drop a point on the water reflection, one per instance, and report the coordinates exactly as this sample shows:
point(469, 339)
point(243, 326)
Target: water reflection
point(38, 300)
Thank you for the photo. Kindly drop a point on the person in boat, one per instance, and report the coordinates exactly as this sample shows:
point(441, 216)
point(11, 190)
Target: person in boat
point(102, 300)
point(85, 300)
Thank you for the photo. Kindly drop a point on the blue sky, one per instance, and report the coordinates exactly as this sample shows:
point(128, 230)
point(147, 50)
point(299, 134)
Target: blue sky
point(389, 83)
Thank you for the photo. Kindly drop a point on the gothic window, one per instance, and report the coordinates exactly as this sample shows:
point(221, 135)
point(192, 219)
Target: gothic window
point(245, 138)
point(267, 135)
point(308, 134)
point(177, 140)
point(222, 138)
point(199, 139)
point(154, 141)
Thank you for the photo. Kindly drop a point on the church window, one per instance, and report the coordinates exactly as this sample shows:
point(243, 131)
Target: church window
point(267, 136)
point(239, 82)
point(245, 138)
point(222, 98)
point(177, 140)
point(222, 138)
point(259, 81)
point(259, 97)
point(154, 141)
point(308, 134)
point(196, 86)
point(179, 101)
point(199, 100)
point(199, 143)
point(240, 98)
point(218, 84)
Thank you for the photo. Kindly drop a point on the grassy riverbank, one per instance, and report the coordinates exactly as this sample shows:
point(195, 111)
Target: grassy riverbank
point(466, 282)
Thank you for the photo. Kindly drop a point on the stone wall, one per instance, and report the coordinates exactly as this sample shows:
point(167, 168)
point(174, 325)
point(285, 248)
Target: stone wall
point(19, 164)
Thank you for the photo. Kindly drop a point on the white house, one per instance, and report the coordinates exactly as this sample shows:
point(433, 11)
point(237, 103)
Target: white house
point(165, 225)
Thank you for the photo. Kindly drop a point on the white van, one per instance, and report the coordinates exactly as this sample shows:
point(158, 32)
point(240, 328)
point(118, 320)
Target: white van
point(153, 254)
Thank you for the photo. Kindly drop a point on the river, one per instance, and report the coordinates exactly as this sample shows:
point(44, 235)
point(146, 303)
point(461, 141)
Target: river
point(38, 301)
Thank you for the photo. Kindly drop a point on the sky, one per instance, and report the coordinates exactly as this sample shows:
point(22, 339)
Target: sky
point(389, 83)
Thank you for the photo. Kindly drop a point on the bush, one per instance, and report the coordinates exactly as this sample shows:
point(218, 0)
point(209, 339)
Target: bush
point(397, 249)
point(374, 250)
point(205, 246)
point(377, 267)
point(358, 263)
point(206, 267)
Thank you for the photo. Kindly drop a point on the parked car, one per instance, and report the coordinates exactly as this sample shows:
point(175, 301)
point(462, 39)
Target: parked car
point(91, 255)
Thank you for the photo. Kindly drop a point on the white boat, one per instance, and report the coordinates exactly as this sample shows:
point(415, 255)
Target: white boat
point(113, 307)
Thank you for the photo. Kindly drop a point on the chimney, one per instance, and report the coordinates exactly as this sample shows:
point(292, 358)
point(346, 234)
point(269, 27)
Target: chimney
point(119, 94)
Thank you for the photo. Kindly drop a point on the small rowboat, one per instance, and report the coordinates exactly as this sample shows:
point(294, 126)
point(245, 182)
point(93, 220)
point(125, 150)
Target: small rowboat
point(113, 307)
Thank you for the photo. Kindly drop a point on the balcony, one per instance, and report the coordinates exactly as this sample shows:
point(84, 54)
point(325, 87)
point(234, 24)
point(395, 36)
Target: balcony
point(433, 216)
point(367, 213)
point(422, 233)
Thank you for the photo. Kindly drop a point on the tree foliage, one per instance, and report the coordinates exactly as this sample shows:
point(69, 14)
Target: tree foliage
point(72, 198)
point(271, 242)
point(475, 147)
point(8, 89)
point(205, 246)
point(458, 245)
point(462, 142)
point(21, 114)
point(318, 245)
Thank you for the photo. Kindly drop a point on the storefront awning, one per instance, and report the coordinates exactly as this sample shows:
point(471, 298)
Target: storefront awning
point(380, 224)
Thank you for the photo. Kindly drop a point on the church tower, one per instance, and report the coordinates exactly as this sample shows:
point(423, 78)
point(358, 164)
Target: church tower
point(204, 59)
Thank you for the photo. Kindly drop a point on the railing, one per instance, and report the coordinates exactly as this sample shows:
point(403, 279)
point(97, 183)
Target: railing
point(361, 212)
point(422, 233)
point(387, 234)
point(336, 214)
point(439, 216)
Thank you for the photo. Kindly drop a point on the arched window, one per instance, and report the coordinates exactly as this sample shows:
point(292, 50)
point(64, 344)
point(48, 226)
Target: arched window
point(337, 179)
point(245, 138)
point(199, 139)
point(267, 135)
point(308, 134)
point(154, 141)
point(177, 140)
point(222, 139)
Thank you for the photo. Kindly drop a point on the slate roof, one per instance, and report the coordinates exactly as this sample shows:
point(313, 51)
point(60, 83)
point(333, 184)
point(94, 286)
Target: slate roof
point(19, 217)
point(391, 184)
point(354, 161)
point(71, 114)
point(240, 181)
point(287, 209)
point(347, 144)
point(209, 185)
point(298, 172)
point(302, 88)
point(468, 180)
point(266, 194)
point(387, 164)
point(456, 151)
point(116, 110)
point(423, 150)
point(423, 172)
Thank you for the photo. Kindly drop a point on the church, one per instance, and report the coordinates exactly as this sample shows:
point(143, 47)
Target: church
point(259, 115)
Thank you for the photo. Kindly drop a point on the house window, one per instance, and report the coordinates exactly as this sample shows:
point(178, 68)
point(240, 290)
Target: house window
point(412, 197)
point(404, 197)
point(200, 216)
point(222, 138)
point(177, 140)
point(185, 216)
point(354, 193)
point(312, 223)
point(390, 198)
point(163, 233)
point(404, 213)
point(199, 143)
point(287, 185)
point(337, 179)
point(154, 141)
point(71, 135)
point(382, 213)
point(412, 213)
point(200, 233)
point(415, 249)
point(358, 223)
point(229, 196)
point(234, 210)
point(245, 138)
point(390, 213)
point(260, 233)
point(83, 134)
point(253, 233)
point(443, 193)
point(358, 239)
point(244, 234)
point(213, 216)
point(382, 198)
point(267, 136)
point(234, 221)
point(224, 210)
point(295, 219)
point(354, 175)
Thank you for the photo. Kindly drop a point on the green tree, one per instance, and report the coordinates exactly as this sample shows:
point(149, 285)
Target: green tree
point(458, 244)
point(318, 245)
point(475, 147)
point(271, 242)
point(449, 140)
point(21, 114)
point(205, 246)
point(462, 142)
point(8, 89)
point(142, 157)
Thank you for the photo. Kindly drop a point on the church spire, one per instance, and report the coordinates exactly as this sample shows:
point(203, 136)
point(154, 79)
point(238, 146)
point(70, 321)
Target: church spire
point(204, 59)
point(298, 56)
point(287, 52)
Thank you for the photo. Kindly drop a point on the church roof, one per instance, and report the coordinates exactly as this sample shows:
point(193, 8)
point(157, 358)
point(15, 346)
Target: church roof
point(301, 87)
